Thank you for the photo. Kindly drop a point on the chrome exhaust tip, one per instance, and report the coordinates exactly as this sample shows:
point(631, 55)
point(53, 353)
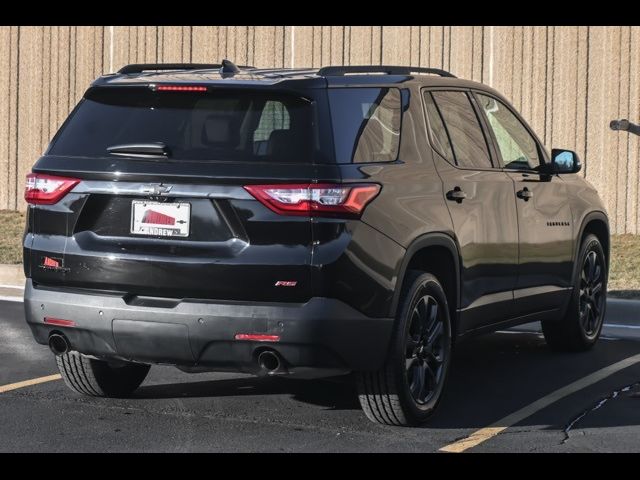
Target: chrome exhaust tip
point(59, 344)
point(269, 362)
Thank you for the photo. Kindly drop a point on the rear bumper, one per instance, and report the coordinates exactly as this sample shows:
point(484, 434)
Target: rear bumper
point(322, 333)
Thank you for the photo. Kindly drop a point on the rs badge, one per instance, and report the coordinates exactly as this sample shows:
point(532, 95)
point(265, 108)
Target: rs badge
point(286, 283)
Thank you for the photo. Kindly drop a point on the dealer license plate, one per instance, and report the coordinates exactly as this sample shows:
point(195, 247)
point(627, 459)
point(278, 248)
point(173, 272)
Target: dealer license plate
point(160, 219)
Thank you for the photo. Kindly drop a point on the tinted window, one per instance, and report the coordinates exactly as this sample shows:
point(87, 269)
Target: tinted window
point(366, 124)
point(221, 125)
point(439, 135)
point(518, 148)
point(468, 142)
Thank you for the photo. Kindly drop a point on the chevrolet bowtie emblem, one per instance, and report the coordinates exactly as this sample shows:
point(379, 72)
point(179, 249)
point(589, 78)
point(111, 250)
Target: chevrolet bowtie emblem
point(156, 189)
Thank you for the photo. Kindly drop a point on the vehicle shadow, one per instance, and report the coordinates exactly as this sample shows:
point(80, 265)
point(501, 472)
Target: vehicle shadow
point(337, 393)
point(491, 376)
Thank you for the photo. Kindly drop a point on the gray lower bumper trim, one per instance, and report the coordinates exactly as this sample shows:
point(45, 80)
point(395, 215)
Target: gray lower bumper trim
point(321, 331)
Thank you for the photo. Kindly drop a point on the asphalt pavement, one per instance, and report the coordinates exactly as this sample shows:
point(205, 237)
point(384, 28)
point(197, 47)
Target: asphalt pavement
point(589, 402)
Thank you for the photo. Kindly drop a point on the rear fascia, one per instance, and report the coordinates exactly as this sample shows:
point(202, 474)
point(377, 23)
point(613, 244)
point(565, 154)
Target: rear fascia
point(256, 249)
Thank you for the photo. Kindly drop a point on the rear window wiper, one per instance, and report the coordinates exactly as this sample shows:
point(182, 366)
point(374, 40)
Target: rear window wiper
point(145, 150)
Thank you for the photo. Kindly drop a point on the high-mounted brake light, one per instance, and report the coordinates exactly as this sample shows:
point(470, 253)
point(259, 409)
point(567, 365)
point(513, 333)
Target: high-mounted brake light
point(317, 199)
point(44, 189)
point(257, 337)
point(180, 88)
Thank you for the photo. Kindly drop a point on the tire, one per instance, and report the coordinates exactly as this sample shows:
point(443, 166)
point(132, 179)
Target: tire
point(580, 328)
point(98, 378)
point(392, 395)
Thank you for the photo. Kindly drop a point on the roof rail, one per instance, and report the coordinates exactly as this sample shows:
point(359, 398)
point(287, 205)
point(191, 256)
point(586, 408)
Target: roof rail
point(388, 69)
point(142, 67)
point(283, 72)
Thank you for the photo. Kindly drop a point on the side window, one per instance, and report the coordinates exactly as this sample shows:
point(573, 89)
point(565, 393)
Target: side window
point(518, 148)
point(274, 118)
point(439, 135)
point(467, 140)
point(366, 124)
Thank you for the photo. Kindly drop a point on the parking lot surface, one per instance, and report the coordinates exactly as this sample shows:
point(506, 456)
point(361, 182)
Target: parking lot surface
point(571, 402)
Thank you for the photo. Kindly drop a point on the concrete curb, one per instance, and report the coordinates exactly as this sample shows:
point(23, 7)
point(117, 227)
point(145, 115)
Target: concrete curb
point(623, 311)
point(11, 275)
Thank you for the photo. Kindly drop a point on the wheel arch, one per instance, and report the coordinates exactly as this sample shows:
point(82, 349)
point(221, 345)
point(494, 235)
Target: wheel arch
point(596, 223)
point(421, 254)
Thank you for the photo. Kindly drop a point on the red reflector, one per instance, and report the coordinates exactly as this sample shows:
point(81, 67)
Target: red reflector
point(50, 262)
point(181, 88)
point(318, 199)
point(59, 322)
point(257, 337)
point(44, 189)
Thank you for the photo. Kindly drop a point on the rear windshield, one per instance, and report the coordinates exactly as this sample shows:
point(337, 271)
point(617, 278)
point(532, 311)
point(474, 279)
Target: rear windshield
point(366, 124)
point(206, 126)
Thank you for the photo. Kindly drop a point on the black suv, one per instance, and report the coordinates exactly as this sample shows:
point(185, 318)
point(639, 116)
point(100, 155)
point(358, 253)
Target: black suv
point(303, 222)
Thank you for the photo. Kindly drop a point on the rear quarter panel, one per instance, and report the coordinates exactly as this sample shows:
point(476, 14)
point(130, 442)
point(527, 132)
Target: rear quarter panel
point(409, 205)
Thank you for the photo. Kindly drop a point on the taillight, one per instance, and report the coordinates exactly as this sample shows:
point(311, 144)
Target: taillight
point(44, 189)
point(318, 199)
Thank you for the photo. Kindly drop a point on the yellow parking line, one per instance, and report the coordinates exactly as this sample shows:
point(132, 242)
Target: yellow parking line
point(28, 383)
point(491, 431)
point(476, 438)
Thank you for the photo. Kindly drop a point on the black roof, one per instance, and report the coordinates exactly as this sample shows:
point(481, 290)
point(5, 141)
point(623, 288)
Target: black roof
point(227, 73)
point(229, 68)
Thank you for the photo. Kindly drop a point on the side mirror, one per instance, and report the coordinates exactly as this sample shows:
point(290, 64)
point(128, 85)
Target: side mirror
point(565, 161)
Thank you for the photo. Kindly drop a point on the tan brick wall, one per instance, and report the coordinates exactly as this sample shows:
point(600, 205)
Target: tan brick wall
point(569, 82)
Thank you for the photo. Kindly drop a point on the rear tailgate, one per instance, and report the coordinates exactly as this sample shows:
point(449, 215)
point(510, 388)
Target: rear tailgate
point(182, 227)
point(236, 249)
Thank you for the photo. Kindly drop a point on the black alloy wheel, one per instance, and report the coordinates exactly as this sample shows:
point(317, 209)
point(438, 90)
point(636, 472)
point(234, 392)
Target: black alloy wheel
point(425, 352)
point(581, 325)
point(592, 295)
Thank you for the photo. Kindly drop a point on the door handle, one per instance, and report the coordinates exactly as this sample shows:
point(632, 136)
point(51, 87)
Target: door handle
point(456, 195)
point(525, 194)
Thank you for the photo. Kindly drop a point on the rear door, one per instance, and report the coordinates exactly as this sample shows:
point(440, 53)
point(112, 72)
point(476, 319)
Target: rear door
point(545, 262)
point(165, 212)
point(481, 202)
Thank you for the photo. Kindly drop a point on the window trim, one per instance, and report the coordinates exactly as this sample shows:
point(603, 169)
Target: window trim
point(542, 153)
point(472, 101)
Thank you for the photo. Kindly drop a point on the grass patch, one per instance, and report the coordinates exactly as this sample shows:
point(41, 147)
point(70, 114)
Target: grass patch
point(624, 273)
point(11, 230)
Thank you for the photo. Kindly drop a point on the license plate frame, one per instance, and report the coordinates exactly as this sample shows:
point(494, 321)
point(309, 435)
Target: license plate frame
point(158, 219)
